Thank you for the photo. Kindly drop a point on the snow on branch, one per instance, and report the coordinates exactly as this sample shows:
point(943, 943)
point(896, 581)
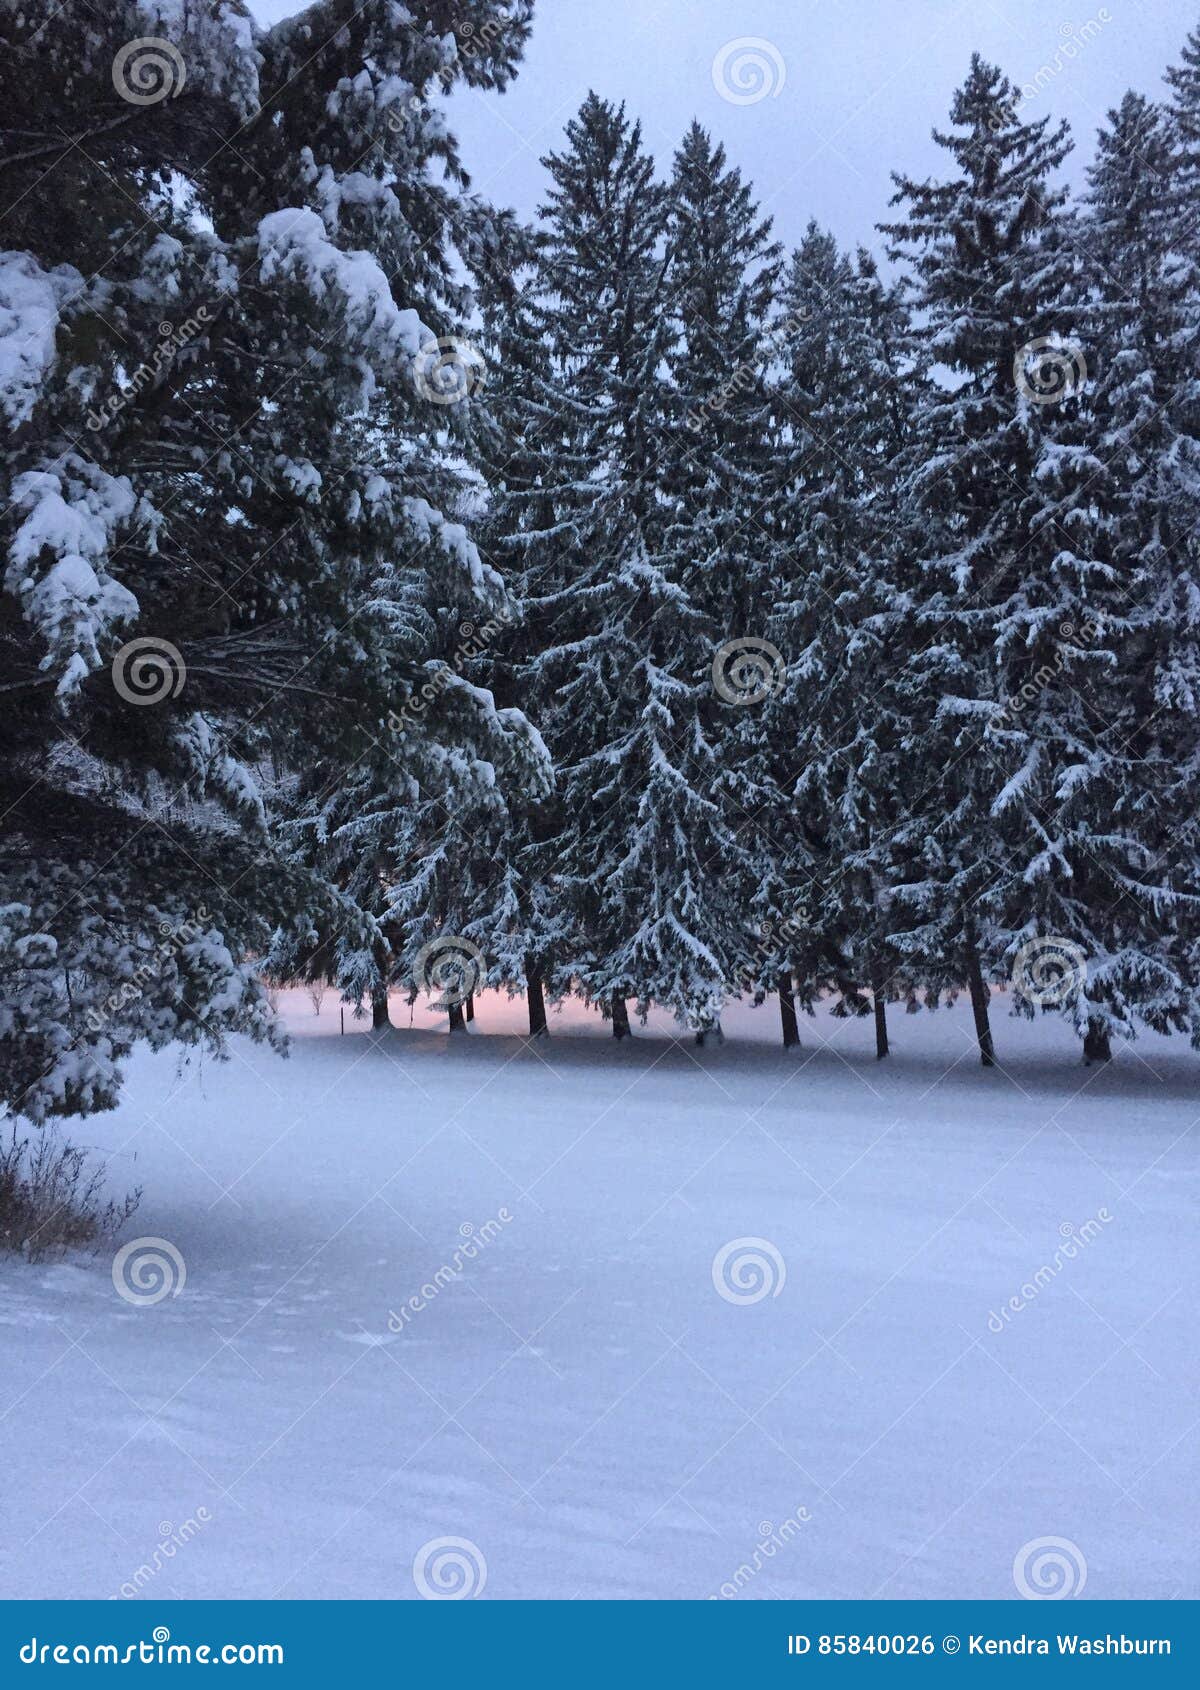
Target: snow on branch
point(294, 246)
point(30, 301)
point(58, 561)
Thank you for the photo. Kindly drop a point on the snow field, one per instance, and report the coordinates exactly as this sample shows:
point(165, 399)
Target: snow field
point(688, 1320)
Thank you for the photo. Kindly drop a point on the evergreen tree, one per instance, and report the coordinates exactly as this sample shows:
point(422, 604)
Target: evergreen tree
point(1144, 296)
point(222, 443)
point(533, 926)
point(993, 278)
point(1183, 193)
point(1047, 600)
point(722, 272)
point(392, 822)
point(1183, 80)
point(614, 684)
point(843, 399)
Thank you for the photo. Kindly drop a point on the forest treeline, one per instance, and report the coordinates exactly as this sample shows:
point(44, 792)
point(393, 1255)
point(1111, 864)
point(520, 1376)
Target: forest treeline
point(621, 606)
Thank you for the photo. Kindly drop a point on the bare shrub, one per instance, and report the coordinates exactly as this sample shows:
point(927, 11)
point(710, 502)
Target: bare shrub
point(51, 1201)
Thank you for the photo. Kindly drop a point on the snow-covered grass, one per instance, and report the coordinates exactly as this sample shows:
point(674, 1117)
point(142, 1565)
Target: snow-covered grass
point(576, 1398)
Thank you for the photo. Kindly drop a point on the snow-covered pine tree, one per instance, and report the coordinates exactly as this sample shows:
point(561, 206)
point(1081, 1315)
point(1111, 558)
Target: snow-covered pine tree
point(716, 546)
point(198, 378)
point(532, 930)
point(993, 281)
point(1183, 118)
point(1144, 296)
point(1183, 80)
point(843, 398)
point(1048, 521)
point(407, 828)
point(612, 672)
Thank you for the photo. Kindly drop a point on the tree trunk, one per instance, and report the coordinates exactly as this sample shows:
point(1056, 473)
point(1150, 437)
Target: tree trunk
point(536, 999)
point(620, 1017)
point(879, 995)
point(1097, 1046)
point(980, 1004)
point(711, 1035)
point(470, 1006)
point(458, 1021)
point(379, 1009)
point(787, 1013)
point(881, 1033)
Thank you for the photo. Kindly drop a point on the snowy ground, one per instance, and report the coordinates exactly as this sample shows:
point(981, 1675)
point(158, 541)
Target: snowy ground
point(579, 1402)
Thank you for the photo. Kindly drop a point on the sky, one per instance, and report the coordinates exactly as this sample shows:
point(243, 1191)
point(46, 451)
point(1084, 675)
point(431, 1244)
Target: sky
point(828, 96)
